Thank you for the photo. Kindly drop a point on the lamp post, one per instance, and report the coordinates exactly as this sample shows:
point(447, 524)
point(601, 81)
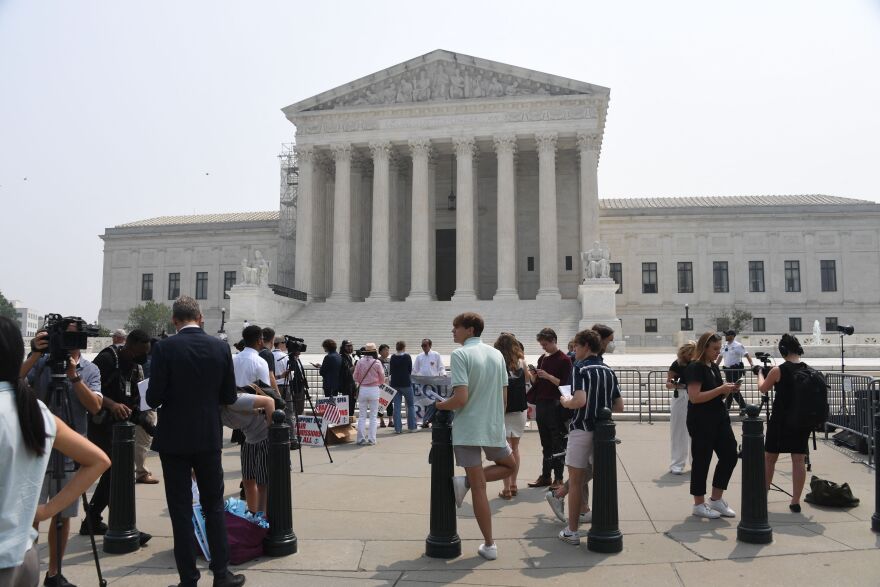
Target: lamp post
point(222, 321)
point(686, 325)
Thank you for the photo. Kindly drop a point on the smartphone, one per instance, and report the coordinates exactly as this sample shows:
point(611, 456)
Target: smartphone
point(739, 382)
point(532, 368)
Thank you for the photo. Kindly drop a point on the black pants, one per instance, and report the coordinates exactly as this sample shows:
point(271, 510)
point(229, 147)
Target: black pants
point(710, 432)
point(102, 437)
point(731, 375)
point(178, 492)
point(551, 428)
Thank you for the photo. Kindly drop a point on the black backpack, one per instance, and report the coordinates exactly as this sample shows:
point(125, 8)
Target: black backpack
point(809, 399)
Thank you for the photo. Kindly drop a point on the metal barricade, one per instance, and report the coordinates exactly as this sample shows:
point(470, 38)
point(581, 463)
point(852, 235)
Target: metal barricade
point(657, 396)
point(630, 381)
point(851, 404)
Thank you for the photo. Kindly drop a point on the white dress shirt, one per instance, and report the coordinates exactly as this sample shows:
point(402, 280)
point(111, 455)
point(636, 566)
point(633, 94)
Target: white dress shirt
point(429, 364)
point(249, 368)
point(732, 353)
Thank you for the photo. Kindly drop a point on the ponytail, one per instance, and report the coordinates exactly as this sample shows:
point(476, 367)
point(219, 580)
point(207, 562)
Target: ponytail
point(30, 417)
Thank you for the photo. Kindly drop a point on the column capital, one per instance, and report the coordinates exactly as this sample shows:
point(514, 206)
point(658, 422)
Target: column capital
point(324, 161)
point(504, 144)
point(341, 152)
point(589, 142)
point(381, 150)
point(464, 146)
point(420, 148)
point(546, 142)
point(305, 153)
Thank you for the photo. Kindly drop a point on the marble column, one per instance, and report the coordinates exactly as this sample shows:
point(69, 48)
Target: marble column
point(420, 225)
point(432, 226)
point(548, 288)
point(305, 215)
point(588, 150)
point(341, 288)
point(465, 245)
point(505, 146)
point(379, 282)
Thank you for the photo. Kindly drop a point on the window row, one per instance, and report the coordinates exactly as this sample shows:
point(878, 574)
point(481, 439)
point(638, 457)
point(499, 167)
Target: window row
point(721, 278)
point(229, 280)
point(758, 324)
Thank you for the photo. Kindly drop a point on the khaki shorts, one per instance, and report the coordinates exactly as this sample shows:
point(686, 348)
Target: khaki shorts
point(470, 456)
point(514, 424)
point(579, 453)
point(51, 488)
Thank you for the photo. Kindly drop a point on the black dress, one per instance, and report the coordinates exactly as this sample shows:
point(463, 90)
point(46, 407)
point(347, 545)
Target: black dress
point(781, 438)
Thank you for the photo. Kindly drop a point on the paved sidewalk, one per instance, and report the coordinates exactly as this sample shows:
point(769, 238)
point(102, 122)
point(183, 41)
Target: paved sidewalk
point(363, 520)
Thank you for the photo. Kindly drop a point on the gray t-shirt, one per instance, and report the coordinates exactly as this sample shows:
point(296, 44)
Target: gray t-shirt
point(241, 415)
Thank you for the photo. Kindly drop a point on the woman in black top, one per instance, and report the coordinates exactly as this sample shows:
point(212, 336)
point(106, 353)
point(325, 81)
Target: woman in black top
point(679, 440)
point(709, 426)
point(515, 408)
point(781, 437)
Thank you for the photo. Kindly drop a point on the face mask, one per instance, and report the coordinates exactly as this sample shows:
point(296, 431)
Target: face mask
point(610, 347)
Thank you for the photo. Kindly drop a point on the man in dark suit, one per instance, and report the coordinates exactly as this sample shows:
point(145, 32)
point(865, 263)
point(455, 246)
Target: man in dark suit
point(190, 378)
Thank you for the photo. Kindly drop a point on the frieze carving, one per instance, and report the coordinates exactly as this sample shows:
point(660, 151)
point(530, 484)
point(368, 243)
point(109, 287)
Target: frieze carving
point(437, 82)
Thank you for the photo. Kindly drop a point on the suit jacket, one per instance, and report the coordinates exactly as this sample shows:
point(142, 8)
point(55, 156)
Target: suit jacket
point(191, 377)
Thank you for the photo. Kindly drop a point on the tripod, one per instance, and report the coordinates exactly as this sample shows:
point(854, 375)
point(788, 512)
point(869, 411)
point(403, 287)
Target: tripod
point(59, 404)
point(290, 400)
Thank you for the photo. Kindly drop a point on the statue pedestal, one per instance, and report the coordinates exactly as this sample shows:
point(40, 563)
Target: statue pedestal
point(598, 305)
point(260, 305)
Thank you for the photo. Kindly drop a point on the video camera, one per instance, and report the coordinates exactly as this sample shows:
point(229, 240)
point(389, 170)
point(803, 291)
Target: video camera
point(62, 340)
point(765, 359)
point(294, 344)
point(136, 417)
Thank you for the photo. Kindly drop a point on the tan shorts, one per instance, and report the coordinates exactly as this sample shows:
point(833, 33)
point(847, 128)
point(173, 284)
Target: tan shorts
point(579, 453)
point(470, 456)
point(514, 424)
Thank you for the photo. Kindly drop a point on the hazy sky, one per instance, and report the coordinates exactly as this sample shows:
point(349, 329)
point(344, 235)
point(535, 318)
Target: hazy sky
point(115, 110)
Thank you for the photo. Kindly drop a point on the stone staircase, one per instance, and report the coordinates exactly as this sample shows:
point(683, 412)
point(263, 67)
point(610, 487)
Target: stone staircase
point(363, 322)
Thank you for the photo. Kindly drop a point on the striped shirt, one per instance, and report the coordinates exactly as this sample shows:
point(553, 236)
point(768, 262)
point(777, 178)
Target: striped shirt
point(602, 388)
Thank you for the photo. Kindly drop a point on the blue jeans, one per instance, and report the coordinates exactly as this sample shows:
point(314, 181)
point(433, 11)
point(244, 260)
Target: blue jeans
point(410, 409)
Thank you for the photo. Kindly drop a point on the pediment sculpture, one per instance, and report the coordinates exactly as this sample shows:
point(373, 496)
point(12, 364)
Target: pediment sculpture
point(440, 81)
point(597, 262)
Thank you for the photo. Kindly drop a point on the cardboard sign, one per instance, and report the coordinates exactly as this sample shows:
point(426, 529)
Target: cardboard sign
point(309, 432)
point(333, 411)
point(386, 394)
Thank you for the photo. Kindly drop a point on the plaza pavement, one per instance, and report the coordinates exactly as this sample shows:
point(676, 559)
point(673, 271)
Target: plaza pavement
point(363, 519)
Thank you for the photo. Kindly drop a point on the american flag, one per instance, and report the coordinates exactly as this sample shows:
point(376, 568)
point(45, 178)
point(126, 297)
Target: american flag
point(331, 414)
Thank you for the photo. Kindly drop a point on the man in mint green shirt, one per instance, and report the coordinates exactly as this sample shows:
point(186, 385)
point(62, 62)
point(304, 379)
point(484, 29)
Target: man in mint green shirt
point(479, 395)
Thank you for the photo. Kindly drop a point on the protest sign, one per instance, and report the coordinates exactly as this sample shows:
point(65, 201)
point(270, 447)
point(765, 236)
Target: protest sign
point(386, 394)
point(309, 432)
point(427, 388)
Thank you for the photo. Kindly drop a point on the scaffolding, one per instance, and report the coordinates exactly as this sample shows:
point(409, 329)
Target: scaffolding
point(287, 217)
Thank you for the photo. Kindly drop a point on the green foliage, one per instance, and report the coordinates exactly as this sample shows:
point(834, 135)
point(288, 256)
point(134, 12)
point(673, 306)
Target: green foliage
point(732, 317)
point(6, 309)
point(103, 331)
point(151, 317)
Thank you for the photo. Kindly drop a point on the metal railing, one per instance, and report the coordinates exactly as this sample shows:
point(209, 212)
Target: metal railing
point(288, 292)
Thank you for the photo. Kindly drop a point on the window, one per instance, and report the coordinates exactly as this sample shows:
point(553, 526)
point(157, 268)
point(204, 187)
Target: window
point(202, 285)
point(649, 277)
point(530, 264)
point(146, 287)
point(828, 270)
point(758, 325)
point(616, 274)
point(228, 282)
point(650, 325)
point(830, 324)
point(793, 276)
point(720, 283)
point(687, 324)
point(173, 286)
point(568, 262)
point(794, 324)
point(756, 276)
point(685, 277)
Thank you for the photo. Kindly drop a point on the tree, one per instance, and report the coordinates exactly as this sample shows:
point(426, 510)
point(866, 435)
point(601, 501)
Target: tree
point(103, 331)
point(731, 318)
point(151, 317)
point(8, 310)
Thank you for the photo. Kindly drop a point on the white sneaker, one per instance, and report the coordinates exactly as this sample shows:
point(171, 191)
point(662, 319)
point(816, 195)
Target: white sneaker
point(557, 504)
point(676, 471)
point(362, 442)
point(569, 537)
point(586, 517)
point(460, 487)
point(722, 508)
point(489, 553)
point(704, 511)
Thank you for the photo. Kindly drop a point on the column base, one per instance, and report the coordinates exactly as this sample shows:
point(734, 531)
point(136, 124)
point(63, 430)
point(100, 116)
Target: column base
point(506, 294)
point(420, 296)
point(340, 296)
point(380, 297)
point(464, 296)
point(548, 293)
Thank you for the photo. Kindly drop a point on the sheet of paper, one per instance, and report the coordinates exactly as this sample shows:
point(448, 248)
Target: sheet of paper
point(142, 389)
point(565, 390)
point(431, 394)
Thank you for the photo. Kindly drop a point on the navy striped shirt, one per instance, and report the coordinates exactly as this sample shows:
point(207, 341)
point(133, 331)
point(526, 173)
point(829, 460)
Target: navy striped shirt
point(600, 383)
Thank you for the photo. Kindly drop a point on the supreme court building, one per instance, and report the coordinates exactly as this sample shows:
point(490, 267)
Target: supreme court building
point(450, 182)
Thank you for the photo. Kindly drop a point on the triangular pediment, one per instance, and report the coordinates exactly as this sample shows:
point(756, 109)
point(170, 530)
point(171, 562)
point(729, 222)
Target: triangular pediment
point(442, 76)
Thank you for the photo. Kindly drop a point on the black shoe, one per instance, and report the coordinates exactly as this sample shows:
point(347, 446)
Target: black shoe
point(229, 580)
point(795, 507)
point(99, 528)
point(144, 538)
point(294, 445)
point(57, 581)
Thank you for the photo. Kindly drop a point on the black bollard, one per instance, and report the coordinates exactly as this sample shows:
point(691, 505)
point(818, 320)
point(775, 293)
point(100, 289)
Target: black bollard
point(280, 541)
point(122, 534)
point(443, 540)
point(753, 527)
point(604, 535)
point(875, 519)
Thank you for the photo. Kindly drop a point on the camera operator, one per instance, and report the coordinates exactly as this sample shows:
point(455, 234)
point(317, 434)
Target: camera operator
point(83, 391)
point(298, 388)
point(346, 376)
point(267, 340)
point(120, 373)
point(29, 431)
point(731, 361)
